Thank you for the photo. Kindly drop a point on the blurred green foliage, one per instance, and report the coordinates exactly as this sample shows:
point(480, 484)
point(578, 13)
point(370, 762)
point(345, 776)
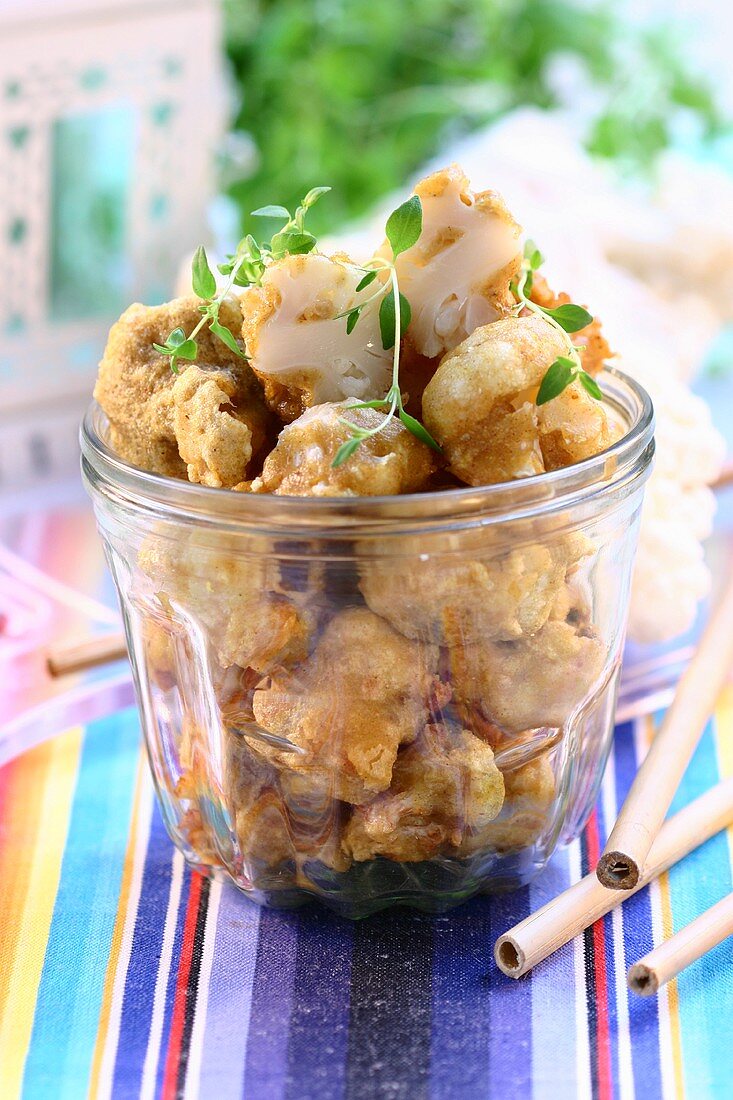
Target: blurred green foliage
point(359, 93)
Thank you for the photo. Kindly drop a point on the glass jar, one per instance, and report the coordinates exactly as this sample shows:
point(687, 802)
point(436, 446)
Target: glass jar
point(377, 700)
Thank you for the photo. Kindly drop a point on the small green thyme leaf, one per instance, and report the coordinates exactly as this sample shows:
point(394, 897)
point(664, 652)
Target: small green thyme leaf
point(532, 255)
point(271, 212)
point(227, 338)
point(418, 430)
point(387, 319)
point(404, 225)
point(558, 376)
point(314, 195)
point(570, 317)
point(202, 277)
point(368, 278)
point(351, 320)
point(291, 242)
point(345, 451)
point(590, 385)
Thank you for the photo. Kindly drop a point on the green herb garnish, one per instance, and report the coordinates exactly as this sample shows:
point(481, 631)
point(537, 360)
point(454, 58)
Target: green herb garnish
point(566, 318)
point(243, 267)
point(403, 229)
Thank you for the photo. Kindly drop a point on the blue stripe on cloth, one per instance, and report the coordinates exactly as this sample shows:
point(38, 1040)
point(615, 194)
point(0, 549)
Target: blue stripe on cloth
point(553, 1070)
point(637, 933)
point(72, 984)
point(390, 1034)
point(137, 1005)
point(695, 884)
point(319, 1024)
point(230, 996)
point(272, 998)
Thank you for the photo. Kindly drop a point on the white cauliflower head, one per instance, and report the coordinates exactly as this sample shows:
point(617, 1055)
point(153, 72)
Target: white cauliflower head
point(300, 352)
point(456, 277)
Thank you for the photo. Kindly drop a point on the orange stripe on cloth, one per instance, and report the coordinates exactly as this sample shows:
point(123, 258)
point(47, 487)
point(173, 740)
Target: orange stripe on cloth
point(34, 821)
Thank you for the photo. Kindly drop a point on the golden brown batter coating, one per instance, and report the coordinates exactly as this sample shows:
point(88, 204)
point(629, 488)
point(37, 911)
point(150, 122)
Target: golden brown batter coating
point(480, 406)
point(456, 277)
point(453, 601)
point(363, 692)
point(215, 439)
point(393, 461)
point(135, 383)
point(299, 350)
point(443, 785)
point(530, 791)
point(232, 596)
point(531, 683)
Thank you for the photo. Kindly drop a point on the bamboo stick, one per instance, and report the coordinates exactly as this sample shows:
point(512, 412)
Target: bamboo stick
point(666, 961)
point(77, 656)
point(659, 776)
point(557, 922)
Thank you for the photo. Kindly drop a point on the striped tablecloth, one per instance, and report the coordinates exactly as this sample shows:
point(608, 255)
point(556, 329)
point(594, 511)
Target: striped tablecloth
point(123, 974)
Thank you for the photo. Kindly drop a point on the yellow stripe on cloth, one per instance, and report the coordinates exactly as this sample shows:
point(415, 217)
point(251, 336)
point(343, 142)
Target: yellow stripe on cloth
point(36, 820)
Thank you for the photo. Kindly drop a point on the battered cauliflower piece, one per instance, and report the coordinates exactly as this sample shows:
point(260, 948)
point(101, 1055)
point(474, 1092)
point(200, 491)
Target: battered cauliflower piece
point(530, 791)
point(348, 708)
point(480, 406)
point(456, 277)
point(444, 786)
point(233, 597)
point(536, 682)
point(300, 353)
point(135, 386)
point(572, 427)
point(460, 602)
point(393, 461)
point(215, 439)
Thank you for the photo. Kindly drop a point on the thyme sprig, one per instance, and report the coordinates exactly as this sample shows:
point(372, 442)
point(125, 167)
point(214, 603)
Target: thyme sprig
point(245, 266)
point(566, 319)
point(403, 229)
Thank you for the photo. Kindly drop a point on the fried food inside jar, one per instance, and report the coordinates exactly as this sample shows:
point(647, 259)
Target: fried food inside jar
point(444, 786)
point(531, 682)
point(463, 599)
point(302, 463)
point(296, 335)
point(529, 794)
point(364, 691)
point(207, 580)
point(152, 411)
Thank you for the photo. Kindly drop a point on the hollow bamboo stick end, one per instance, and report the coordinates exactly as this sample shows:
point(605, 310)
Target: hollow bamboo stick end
point(618, 871)
point(510, 957)
point(642, 980)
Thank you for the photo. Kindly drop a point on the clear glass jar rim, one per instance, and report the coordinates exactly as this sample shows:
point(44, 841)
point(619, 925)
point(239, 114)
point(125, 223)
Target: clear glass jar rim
point(627, 459)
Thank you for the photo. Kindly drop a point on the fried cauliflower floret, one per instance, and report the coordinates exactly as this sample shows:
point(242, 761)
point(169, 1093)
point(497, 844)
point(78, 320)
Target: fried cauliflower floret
point(459, 602)
point(531, 683)
point(480, 405)
point(135, 383)
point(393, 461)
point(443, 786)
point(456, 277)
point(595, 348)
point(215, 439)
point(304, 356)
point(348, 708)
point(572, 427)
point(530, 790)
point(233, 597)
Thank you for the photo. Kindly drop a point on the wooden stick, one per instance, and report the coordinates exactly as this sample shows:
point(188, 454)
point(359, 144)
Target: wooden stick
point(664, 962)
point(725, 477)
point(659, 776)
point(556, 923)
point(77, 656)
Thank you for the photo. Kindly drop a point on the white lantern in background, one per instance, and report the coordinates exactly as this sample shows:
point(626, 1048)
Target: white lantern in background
point(109, 115)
